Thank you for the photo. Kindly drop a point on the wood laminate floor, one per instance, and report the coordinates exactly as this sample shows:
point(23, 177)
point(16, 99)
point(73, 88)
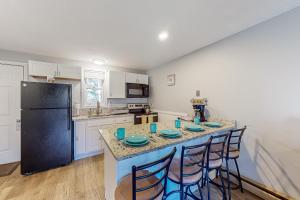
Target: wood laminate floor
point(82, 180)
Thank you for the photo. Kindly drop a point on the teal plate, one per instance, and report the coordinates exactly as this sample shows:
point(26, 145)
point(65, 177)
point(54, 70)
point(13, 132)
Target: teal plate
point(171, 136)
point(213, 124)
point(170, 132)
point(194, 128)
point(136, 145)
point(136, 139)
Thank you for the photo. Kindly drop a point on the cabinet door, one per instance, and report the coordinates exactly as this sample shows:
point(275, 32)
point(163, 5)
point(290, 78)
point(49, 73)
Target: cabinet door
point(116, 84)
point(143, 79)
point(131, 77)
point(80, 137)
point(93, 139)
point(42, 69)
point(69, 72)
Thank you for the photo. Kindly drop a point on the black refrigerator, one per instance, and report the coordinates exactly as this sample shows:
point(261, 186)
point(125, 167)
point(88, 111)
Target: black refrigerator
point(46, 132)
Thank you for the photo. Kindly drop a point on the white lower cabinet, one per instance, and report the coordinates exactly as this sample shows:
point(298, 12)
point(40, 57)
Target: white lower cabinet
point(88, 141)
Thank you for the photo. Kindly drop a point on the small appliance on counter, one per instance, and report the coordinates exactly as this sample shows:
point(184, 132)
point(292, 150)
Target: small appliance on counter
point(199, 107)
point(142, 113)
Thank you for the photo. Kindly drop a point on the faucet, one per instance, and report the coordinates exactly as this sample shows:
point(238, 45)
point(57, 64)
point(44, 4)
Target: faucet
point(98, 111)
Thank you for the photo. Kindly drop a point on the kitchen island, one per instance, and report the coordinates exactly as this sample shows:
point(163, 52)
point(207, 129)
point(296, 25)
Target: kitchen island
point(119, 158)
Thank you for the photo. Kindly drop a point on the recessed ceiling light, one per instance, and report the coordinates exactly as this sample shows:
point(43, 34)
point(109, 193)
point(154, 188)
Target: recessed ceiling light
point(163, 36)
point(99, 61)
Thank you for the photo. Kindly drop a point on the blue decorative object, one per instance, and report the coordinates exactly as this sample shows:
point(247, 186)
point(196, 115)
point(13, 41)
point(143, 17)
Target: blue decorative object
point(197, 120)
point(194, 128)
point(177, 123)
point(135, 144)
point(170, 133)
point(213, 124)
point(153, 127)
point(120, 134)
point(136, 139)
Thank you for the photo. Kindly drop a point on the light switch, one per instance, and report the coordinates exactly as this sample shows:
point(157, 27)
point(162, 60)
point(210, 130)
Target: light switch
point(197, 93)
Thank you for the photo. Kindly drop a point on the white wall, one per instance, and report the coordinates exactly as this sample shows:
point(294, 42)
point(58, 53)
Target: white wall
point(252, 77)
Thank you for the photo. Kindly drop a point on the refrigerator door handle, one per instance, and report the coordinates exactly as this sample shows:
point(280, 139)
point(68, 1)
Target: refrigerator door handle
point(70, 109)
point(69, 119)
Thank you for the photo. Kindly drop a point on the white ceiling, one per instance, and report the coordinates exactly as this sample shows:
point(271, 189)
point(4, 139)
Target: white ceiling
point(125, 31)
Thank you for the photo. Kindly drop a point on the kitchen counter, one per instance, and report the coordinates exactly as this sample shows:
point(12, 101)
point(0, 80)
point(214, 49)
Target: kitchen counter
point(87, 117)
point(120, 151)
point(119, 158)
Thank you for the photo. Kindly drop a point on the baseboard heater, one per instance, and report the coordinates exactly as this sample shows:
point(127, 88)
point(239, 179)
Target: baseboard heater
point(260, 189)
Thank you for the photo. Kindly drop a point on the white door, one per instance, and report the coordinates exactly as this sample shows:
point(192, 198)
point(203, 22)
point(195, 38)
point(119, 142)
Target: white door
point(10, 102)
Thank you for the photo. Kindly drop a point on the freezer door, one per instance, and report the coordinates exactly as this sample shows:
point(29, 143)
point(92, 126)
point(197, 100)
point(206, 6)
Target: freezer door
point(45, 95)
point(45, 139)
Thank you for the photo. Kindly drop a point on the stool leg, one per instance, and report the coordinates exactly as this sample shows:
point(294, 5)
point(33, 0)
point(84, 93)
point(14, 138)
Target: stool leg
point(200, 191)
point(181, 192)
point(186, 191)
point(239, 175)
point(223, 186)
point(228, 179)
point(208, 185)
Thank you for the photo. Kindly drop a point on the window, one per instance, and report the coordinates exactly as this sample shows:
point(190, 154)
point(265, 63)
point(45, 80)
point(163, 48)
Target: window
point(93, 87)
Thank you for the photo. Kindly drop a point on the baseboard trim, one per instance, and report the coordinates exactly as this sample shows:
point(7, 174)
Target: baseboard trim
point(261, 190)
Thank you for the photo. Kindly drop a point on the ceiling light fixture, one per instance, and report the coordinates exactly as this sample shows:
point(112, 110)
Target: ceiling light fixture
point(99, 61)
point(163, 36)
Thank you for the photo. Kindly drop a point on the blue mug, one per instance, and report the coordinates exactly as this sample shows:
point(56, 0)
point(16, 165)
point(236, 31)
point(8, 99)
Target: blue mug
point(197, 120)
point(177, 123)
point(153, 127)
point(120, 134)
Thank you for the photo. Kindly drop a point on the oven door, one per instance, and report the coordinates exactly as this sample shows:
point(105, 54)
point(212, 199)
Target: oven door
point(134, 90)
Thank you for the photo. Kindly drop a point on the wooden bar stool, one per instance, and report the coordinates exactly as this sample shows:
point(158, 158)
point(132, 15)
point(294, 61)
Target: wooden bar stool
point(232, 152)
point(143, 184)
point(214, 162)
point(187, 171)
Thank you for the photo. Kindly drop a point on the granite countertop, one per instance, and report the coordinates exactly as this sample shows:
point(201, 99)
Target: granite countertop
point(121, 151)
point(86, 117)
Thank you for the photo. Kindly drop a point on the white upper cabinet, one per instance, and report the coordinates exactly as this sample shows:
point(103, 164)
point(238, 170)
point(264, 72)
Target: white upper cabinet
point(69, 72)
point(116, 84)
point(143, 79)
point(131, 77)
point(42, 68)
point(136, 78)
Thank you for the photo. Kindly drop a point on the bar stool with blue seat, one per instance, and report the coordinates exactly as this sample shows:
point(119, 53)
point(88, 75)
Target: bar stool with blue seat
point(144, 184)
point(214, 161)
point(187, 171)
point(232, 152)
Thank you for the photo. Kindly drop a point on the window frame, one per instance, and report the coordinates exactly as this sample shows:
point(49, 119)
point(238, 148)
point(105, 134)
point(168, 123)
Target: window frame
point(84, 92)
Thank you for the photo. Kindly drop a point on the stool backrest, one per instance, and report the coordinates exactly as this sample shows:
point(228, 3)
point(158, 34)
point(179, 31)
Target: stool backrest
point(235, 138)
point(161, 170)
point(216, 148)
point(193, 157)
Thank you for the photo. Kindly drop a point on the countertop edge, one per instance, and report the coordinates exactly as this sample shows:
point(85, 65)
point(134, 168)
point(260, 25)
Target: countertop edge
point(163, 146)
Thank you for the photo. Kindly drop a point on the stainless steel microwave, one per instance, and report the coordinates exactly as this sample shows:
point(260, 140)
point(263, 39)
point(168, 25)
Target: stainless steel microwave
point(135, 90)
